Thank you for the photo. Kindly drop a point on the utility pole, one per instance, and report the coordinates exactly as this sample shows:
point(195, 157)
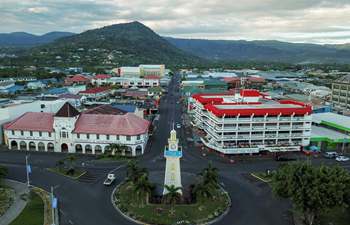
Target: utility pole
point(52, 206)
point(28, 170)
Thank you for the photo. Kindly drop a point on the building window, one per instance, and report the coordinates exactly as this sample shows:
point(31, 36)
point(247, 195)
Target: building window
point(78, 136)
point(107, 136)
point(49, 134)
point(128, 138)
point(118, 137)
point(40, 133)
point(97, 136)
point(31, 133)
point(13, 132)
point(22, 133)
point(87, 136)
point(64, 134)
point(138, 137)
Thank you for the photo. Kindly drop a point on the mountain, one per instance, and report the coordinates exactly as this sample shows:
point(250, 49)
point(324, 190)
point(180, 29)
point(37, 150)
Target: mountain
point(269, 51)
point(23, 39)
point(120, 44)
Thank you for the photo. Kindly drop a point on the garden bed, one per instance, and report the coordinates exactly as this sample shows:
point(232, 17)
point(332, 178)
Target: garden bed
point(62, 171)
point(204, 210)
point(6, 199)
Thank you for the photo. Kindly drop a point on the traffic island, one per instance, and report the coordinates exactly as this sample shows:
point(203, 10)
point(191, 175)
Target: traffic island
point(74, 174)
point(7, 195)
point(138, 208)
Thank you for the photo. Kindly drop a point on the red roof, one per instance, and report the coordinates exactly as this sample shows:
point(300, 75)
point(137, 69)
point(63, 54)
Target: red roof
point(102, 76)
point(249, 93)
point(154, 77)
point(32, 121)
point(256, 79)
point(206, 98)
point(128, 124)
point(260, 111)
point(232, 79)
point(95, 90)
point(78, 78)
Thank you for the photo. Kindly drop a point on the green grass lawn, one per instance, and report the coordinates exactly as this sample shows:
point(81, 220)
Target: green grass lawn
point(33, 213)
point(62, 171)
point(5, 199)
point(198, 213)
point(114, 158)
point(337, 216)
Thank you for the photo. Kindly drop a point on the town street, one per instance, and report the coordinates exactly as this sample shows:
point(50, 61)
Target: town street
point(87, 201)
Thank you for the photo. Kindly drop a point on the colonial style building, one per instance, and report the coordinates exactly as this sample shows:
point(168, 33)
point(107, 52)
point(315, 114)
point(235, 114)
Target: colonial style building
point(249, 122)
point(73, 132)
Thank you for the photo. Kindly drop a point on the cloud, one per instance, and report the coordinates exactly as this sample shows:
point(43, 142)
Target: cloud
point(318, 21)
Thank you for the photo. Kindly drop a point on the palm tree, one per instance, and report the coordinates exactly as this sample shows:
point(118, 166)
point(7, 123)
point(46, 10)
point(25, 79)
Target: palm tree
point(133, 172)
point(210, 176)
point(3, 173)
point(71, 169)
point(143, 187)
point(202, 190)
point(172, 194)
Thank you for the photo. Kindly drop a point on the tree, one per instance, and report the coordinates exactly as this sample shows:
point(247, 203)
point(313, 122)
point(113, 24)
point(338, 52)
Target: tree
point(173, 194)
point(117, 148)
point(134, 172)
point(71, 167)
point(313, 190)
point(202, 190)
point(143, 187)
point(210, 176)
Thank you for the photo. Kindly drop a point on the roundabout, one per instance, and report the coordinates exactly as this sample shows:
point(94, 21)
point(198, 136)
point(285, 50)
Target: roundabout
point(142, 209)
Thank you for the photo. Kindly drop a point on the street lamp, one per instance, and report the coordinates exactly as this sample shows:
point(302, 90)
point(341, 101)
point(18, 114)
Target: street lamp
point(53, 203)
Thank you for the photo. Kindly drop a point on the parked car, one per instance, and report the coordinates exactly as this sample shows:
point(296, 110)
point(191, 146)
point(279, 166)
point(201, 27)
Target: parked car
point(178, 126)
point(342, 158)
point(330, 155)
point(110, 179)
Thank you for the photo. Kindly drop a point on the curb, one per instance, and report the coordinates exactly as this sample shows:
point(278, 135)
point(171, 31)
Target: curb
point(216, 219)
point(73, 178)
point(120, 212)
point(259, 178)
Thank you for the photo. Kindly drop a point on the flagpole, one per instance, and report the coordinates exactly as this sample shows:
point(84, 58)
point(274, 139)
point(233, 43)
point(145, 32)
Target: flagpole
point(27, 171)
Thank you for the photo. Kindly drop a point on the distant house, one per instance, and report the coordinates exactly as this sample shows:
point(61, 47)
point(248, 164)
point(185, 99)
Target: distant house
point(56, 91)
point(35, 85)
point(77, 79)
point(100, 79)
point(129, 108)
point(4, 85)
point(96, 93)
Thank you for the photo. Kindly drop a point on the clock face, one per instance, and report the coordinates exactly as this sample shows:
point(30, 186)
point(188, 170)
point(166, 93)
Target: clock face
point(173, 146)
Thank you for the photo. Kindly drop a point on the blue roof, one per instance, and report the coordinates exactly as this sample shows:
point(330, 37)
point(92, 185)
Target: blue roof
point(56, 91)
point(15, 88)
point(125, 107)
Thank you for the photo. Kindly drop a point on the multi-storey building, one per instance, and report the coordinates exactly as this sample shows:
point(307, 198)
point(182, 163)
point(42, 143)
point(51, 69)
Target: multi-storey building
point(249, 122)
point(73, 132)
point(341, 94)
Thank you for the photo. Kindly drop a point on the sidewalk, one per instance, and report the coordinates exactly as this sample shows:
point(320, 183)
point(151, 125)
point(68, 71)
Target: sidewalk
point(18, 203)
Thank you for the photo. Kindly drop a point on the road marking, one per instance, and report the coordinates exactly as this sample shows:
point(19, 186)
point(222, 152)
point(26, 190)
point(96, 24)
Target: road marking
point(71, 222)
point(115, 169)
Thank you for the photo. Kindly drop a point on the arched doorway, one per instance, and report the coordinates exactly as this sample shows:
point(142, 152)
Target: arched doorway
point(32, 146)
point(107, 150)
point(64, 147)
point(98, 150)
point(14, 145)
point(138, 150)
point(41, 147)
point(50, 147)
point(88, 149)
point(78, 148)
point(23, 145)
point(128, 151)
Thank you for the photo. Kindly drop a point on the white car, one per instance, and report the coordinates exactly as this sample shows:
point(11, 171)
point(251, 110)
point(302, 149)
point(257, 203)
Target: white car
point(178, 126)
point(342, 158)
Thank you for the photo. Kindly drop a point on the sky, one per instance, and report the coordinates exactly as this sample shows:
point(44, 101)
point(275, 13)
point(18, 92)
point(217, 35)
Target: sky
point(311, 21)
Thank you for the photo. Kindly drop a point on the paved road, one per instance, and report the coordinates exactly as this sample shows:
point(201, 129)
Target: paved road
point(87, 201)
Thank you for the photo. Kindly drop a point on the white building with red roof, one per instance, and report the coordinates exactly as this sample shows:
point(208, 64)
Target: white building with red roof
point(73, 132)
point(250, 122)
point(77, 79)
point(100, 79)
point(96, 93)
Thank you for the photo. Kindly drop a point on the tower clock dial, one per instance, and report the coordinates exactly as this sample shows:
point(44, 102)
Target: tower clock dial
point(172, 146)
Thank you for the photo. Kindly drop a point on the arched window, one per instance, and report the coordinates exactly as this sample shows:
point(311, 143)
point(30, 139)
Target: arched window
point(32, 146)
point(88, 149)
point(23, 145)
point(41, 146)
point(50, 147)
point(14, 145)
point(98, 149)
point(78, 148)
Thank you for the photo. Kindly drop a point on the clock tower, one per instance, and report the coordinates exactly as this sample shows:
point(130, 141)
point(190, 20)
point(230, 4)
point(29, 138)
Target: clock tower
point(172, 154)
